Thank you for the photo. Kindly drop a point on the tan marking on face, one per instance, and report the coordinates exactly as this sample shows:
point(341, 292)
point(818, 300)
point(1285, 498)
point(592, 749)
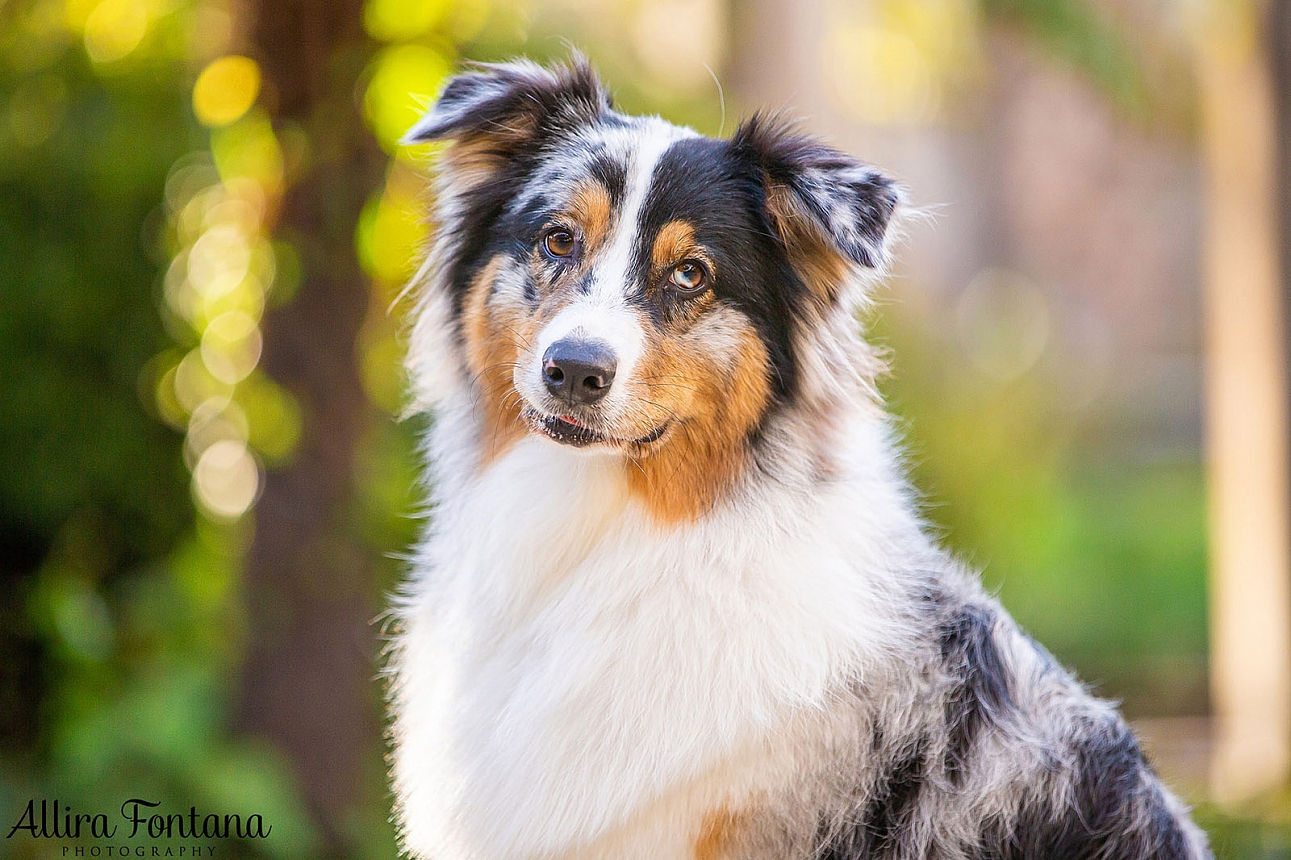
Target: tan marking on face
point(590, 207)
point(675, 242)
point(714, 402)
point(493, 336)
point(716, 835)
point(814, 259)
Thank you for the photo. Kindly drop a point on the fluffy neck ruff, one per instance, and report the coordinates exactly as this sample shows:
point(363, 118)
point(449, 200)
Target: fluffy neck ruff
point(565, 659)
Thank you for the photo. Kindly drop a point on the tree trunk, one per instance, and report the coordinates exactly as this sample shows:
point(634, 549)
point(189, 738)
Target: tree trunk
point(1279, 35)
point(307, 681)
point(1246, 421)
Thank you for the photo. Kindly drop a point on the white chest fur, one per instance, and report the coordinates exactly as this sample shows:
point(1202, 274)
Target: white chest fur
point(565, 661)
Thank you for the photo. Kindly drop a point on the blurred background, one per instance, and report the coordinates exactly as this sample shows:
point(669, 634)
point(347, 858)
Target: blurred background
point(205, 223)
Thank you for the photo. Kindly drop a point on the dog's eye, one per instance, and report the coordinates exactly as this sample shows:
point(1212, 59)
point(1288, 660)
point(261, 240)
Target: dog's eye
point(559, 243)
point(688, 277)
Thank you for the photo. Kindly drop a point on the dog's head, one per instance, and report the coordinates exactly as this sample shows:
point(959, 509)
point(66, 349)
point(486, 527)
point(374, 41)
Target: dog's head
point(624, 285)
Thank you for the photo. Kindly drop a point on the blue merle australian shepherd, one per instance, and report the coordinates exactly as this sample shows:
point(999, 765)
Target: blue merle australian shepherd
point(676, 600)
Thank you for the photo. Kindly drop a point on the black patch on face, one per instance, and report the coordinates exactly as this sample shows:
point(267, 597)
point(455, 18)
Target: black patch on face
point(705, 184)
point(478, 227)
point(612, 174)
point(1113, 813)
point(877, 831)
point(979, 694)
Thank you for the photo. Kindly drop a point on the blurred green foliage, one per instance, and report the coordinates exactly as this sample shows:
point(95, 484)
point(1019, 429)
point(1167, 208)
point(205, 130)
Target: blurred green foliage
point(123, 626)
point(119, 628)
point(1077, 33)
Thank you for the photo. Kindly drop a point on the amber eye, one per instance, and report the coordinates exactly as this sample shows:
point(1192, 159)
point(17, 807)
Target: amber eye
point(688, 277)
point(559, 243)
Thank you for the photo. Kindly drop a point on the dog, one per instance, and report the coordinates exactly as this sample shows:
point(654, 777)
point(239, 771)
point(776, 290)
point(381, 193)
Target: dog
point(675, 598)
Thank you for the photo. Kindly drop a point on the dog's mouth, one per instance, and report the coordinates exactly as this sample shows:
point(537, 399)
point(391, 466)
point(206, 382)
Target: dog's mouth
point(569, 430)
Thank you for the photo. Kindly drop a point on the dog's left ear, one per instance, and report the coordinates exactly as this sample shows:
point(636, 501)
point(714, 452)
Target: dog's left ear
point(508, 106)
point(817, 196)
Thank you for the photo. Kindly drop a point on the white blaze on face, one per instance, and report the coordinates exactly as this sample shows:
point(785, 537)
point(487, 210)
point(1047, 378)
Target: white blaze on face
point(603, 313)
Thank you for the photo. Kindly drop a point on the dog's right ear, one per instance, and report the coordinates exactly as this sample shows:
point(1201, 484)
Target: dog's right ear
point(510, 106)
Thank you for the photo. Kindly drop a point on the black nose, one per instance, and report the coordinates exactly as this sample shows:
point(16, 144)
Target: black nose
point(579, 371)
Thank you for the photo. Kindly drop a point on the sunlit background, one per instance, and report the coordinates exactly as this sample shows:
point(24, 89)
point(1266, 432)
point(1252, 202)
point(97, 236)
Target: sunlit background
point(207, 481)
